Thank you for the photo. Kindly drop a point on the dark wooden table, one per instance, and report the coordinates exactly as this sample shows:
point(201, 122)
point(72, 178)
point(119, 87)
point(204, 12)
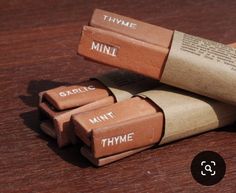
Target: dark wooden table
point(38, 42)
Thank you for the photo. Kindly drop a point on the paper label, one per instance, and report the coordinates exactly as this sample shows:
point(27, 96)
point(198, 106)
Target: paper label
point(188, 114)
point(202, 66)
point(124, 85)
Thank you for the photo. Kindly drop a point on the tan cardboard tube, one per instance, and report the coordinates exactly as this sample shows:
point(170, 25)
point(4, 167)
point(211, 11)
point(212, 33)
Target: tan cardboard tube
point(188, 114)
point(124, 84)
point(192, 63)
point(201, 66)
point(184, 115)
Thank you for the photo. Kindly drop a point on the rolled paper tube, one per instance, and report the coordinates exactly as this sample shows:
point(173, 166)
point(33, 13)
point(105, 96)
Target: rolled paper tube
point(115, 41)
point(158, 116)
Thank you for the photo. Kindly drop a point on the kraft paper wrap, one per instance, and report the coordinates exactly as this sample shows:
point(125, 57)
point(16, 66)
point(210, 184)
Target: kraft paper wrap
point(202, 66)
point(124, 85)
point(187, 114)
point(41, 96)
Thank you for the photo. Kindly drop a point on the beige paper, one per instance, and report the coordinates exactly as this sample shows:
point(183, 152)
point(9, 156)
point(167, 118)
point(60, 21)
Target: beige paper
point(202, 66)
point(188, 114)
point(124, 85)
point(40, 99)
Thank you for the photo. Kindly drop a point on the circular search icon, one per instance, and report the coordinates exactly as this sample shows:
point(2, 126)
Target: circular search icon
point(208, 168)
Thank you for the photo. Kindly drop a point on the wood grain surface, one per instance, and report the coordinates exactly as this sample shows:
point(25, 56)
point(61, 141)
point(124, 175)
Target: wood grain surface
point(38, 43)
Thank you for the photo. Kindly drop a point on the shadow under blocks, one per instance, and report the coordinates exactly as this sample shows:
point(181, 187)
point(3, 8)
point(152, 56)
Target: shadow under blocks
point(70, 153)
point(31, 120)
